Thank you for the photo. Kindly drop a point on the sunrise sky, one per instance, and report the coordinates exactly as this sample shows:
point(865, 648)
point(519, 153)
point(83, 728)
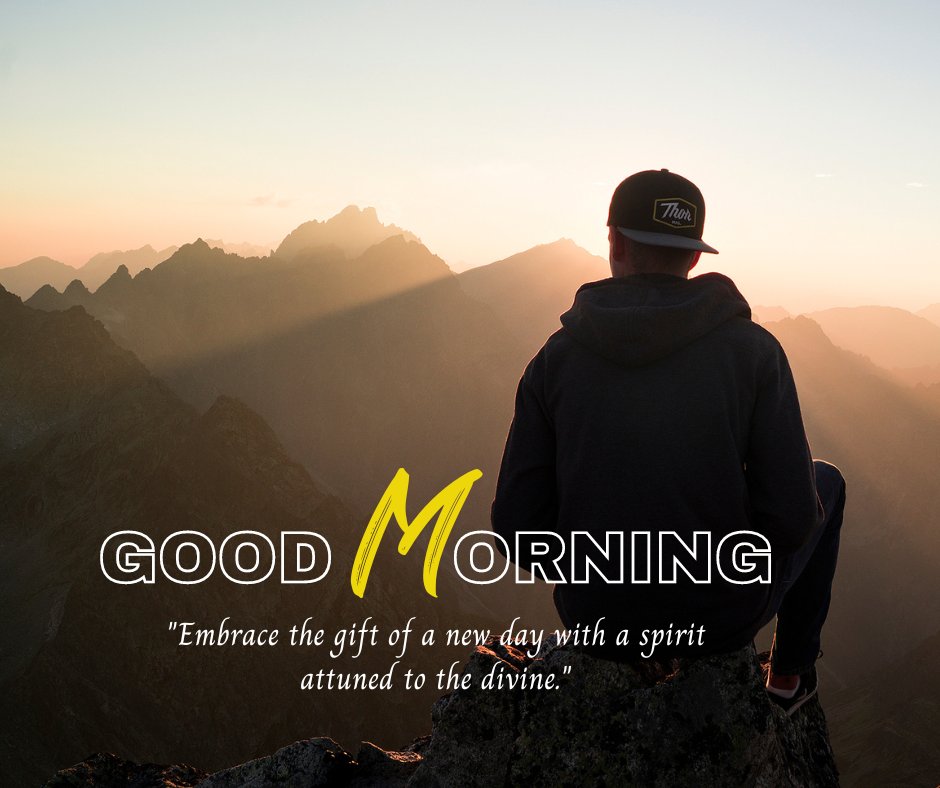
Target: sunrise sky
point(484, 128)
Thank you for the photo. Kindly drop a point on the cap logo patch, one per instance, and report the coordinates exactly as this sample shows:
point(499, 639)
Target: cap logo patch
point(675, 212)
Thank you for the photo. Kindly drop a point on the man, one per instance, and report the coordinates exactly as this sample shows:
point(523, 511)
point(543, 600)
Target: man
point(659, 406)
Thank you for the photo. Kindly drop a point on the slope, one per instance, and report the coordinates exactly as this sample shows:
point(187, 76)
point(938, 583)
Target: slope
point(528, 291)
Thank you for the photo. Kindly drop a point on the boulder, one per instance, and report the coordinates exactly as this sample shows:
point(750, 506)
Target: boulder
point(702, 722)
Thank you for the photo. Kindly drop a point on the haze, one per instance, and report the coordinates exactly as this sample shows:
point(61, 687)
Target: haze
point(485, 129)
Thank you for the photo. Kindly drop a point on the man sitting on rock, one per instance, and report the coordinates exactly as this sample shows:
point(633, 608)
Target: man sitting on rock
point(660, 408)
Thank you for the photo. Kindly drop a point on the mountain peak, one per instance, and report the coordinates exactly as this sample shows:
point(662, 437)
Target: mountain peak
point(77, 288)
point(404, 262)
point(197, 249)
point(45, 262)
point(118, 281)
point(352, 230)
point(98, 268)
point(8, 300)
point(369, 213)
point(26, 278)
point(237, 424)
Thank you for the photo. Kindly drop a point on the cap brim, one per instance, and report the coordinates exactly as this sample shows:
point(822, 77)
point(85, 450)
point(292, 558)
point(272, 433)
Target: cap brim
point(667, 239)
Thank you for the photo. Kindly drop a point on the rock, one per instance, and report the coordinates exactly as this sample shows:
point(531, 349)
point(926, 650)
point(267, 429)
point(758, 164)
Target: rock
point(705, 722)
point(304, 763)
point(387, 768)
point(105, 770)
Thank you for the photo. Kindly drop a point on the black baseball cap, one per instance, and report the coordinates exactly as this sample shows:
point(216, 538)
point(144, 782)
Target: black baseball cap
point(660, 208)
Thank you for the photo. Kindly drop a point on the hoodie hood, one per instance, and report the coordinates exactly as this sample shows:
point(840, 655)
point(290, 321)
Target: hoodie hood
point(639, 319)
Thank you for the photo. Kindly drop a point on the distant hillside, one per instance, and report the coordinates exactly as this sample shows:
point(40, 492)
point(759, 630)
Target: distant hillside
point(769, 314)
point(97, 270)
point(885, 728)
point(528, 291)
point(927, 375)
point(885, 439)
point(26, 278)
point(241, 249)
point(929, 395)
point(893, 338)
point(931, 313)
point(352, 231)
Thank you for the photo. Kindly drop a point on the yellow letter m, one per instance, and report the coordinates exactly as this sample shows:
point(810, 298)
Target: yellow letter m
point(446, 504)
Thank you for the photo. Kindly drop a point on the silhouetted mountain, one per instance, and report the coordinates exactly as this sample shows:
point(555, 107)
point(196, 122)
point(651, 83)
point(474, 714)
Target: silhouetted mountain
point(768, 314)
point(362, 365)
point(885, 727)
point(92, 444)
point(241, 249)
point(100, 267)
point(931, 313)
point(352, 231)
point(40, 390)
point(47, 298)
point(26, 278)
point(893, 338)
point(918, 376)
point(529, 291)
point(929, 395)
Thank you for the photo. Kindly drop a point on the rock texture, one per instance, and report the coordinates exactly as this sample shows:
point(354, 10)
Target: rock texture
point(703, 723)
point(108, 770)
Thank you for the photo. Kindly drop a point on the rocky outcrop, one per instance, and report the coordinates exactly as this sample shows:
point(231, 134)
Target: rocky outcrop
point(107, 770)
point(321, 761)
point(705, 722)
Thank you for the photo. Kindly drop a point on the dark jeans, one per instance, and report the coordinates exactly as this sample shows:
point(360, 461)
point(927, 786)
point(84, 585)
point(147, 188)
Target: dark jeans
point(801, 598)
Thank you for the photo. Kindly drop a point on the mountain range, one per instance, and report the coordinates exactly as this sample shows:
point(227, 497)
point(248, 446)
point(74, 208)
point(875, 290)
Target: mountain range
point(365, 353)
point(529, 291)
point(362, 365)
point(905, 343)
point(26, 278)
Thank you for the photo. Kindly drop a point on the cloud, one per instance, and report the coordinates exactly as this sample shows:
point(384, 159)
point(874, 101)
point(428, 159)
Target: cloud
point(824, 175)
point(915, 185)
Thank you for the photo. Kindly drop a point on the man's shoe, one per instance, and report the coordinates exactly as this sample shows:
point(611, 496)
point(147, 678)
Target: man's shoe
point(809, 684)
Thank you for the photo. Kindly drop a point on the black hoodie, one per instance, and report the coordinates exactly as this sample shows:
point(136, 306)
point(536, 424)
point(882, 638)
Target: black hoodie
point(659, 406)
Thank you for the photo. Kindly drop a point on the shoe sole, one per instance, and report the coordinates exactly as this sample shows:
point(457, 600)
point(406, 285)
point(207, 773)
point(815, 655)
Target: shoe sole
point(800, 702)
